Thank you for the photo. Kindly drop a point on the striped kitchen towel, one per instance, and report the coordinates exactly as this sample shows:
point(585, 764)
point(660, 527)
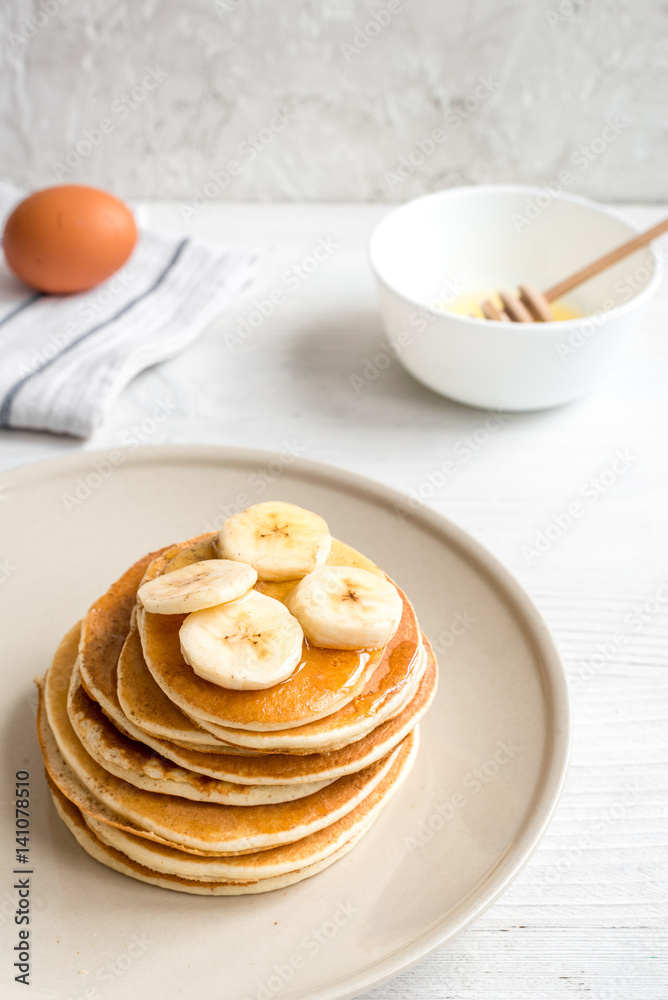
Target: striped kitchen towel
point(65, 358)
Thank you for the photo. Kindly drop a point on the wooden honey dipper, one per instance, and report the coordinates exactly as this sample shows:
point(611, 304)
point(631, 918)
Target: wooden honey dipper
point(531, 305)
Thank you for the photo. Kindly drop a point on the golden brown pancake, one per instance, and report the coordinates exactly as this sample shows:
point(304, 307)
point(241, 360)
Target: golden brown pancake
point(195, 826)
point(146, 705)
point(175, 781)
point(120, 862)
point(266, 864)
point(324, 681)
point(104, 631)
point(133, 761)
point(279, 768)
point(387, 692)
point(381, 699)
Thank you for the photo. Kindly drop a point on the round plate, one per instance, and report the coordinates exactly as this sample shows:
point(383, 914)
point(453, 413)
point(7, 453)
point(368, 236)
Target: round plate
point(491, 764)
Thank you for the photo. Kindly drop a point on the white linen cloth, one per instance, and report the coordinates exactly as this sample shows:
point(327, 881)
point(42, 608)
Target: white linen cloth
point(64, 359)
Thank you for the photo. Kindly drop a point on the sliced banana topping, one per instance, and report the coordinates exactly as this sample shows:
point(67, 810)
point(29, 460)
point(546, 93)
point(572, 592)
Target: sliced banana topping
point(200, 585)
point(341, 607)
point(279, 540)
point(247, 644)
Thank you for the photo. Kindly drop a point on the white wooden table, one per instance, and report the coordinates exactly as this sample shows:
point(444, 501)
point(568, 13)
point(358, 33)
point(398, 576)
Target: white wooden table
point(587, 915)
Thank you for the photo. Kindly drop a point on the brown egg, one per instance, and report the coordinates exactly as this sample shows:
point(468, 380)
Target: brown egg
point(68, 238)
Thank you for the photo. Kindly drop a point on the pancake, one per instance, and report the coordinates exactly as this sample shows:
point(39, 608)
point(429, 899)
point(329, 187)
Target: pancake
point(133, 761)
point(146, 705)
point(188, 785)
point(155, 859)
point(120, 862)
point(104, 630)
point(279, 768)
point(195, 826)
point(266, 864)
point(388, 691)
point(324, 681)
point(384, 697)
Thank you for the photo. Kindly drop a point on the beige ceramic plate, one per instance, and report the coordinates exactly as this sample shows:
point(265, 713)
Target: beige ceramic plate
point(491, 764)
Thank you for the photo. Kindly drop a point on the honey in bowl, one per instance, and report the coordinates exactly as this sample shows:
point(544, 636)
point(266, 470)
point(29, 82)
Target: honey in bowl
point(468, 304)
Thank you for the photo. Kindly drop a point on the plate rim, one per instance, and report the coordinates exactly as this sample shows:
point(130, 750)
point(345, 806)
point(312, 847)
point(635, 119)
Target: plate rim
point(550, 784)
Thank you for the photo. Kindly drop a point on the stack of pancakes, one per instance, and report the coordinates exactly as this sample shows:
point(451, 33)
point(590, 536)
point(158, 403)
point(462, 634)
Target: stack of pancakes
point(171, 779)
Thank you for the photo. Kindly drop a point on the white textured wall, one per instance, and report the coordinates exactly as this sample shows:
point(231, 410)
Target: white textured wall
point(520, 90)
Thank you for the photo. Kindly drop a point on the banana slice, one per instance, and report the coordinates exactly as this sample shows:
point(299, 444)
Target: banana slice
point(247, 644)
point(279, 540)
point(342, 607)
point(201, 585)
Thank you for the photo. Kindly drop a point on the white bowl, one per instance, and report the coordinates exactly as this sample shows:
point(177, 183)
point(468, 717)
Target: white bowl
point(490, 237)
